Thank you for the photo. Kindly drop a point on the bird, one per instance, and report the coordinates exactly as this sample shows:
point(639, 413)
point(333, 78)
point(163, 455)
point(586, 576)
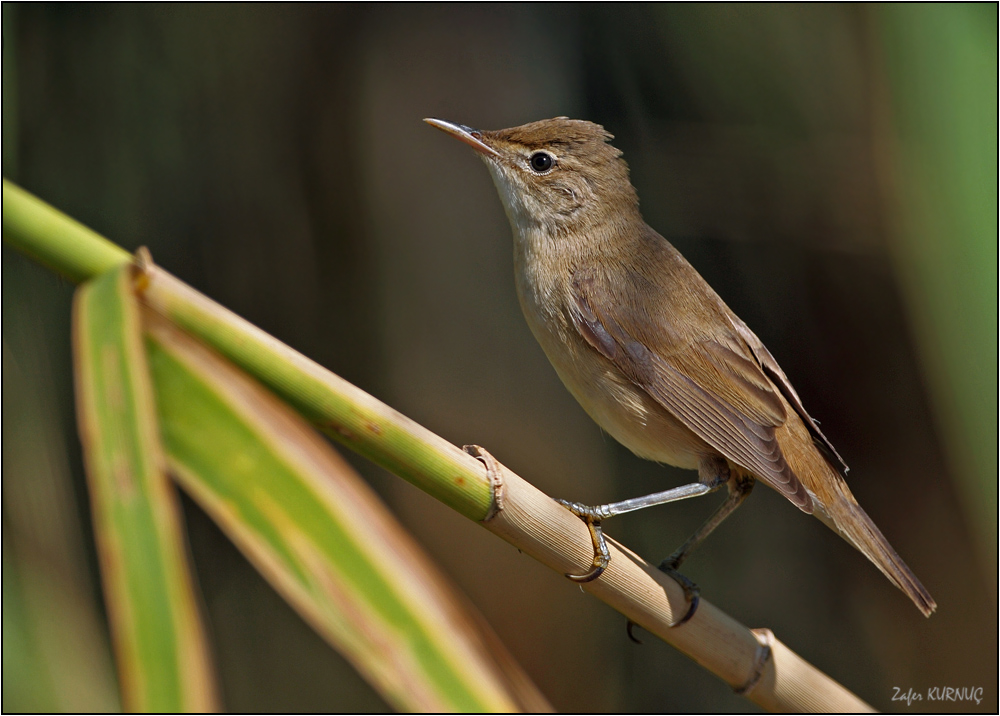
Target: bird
point(650, 350)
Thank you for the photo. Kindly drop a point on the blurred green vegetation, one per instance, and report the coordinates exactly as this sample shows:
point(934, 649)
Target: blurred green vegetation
point(830, 169)
point(941, 72)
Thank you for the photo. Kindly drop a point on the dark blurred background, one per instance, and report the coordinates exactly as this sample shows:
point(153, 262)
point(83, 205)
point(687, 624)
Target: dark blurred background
point(830, 169)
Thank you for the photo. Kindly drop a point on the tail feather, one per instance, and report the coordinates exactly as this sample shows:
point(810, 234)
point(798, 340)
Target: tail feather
point(847, 518)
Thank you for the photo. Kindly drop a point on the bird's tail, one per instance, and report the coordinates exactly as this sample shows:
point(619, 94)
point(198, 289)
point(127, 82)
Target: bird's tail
point(846, 517)
point(834, 504)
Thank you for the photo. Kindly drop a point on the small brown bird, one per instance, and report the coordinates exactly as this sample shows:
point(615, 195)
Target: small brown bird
point(650, 350)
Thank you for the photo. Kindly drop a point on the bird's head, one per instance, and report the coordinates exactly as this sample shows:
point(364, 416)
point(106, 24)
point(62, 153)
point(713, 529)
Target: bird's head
point(555, 175)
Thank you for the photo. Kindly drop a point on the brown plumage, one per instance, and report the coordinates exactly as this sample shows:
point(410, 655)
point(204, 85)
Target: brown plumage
point(643, 342)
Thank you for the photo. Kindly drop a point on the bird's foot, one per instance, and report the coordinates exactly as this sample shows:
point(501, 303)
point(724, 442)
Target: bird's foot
point(602, 555)
point(691, 591)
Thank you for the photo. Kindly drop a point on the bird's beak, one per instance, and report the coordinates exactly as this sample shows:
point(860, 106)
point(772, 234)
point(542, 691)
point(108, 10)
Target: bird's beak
point(470, 136)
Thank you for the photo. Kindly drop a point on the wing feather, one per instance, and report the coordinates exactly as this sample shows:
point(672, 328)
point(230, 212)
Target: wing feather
point(712, 386)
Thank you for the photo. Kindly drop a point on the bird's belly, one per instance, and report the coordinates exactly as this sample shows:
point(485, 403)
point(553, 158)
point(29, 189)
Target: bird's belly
point(624, 410)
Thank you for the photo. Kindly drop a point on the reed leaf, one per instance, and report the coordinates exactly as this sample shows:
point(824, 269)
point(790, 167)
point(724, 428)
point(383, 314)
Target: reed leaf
point(162, 655)
point(315, 530)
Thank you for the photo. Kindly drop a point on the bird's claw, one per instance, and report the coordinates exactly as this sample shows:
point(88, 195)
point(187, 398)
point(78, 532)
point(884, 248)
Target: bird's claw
point(631, 635)
point(602, 555)
point(691, 591)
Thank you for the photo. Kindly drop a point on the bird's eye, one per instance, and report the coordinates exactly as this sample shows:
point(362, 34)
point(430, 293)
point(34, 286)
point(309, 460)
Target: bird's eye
point(541, 162)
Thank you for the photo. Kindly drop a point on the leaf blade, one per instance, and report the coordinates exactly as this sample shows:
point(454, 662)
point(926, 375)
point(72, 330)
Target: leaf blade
point(317, 533)
point(160, 646)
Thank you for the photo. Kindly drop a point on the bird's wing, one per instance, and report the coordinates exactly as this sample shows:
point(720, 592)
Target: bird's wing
point(713, 384)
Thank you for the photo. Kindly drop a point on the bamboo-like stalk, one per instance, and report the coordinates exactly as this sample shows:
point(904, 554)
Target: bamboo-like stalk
point(751, 661)
point(55, 240)
point(764, 669)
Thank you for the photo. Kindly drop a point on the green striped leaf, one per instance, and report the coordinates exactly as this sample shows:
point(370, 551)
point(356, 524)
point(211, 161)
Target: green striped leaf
point(159, 642)
point(317, 533)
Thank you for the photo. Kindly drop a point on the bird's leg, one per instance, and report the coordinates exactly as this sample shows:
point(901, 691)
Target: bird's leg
point(710, 478)
point(739, 489)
